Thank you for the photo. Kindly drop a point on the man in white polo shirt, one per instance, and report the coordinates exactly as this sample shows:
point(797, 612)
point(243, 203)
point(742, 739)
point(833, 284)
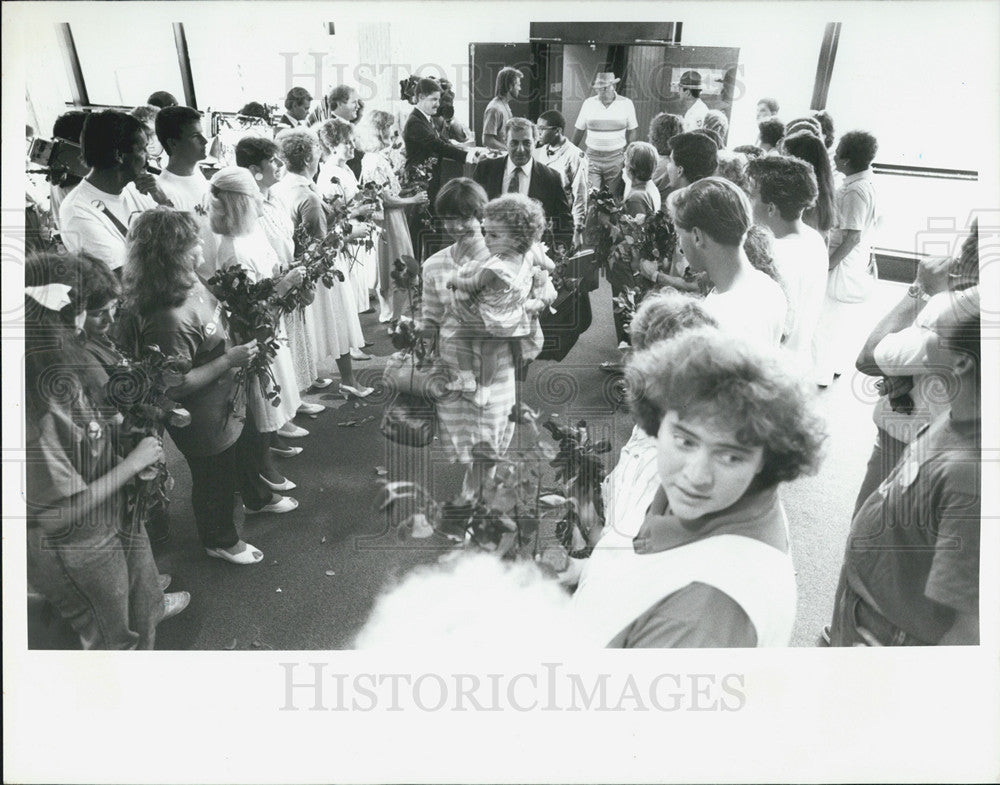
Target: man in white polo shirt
point(609, 123)
point(95, 216)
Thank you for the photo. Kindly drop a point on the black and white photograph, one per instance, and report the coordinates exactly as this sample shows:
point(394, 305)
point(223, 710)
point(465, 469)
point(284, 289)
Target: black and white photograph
point(378, 376)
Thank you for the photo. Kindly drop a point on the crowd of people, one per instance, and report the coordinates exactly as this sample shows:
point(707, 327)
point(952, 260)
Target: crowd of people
point(753, 306)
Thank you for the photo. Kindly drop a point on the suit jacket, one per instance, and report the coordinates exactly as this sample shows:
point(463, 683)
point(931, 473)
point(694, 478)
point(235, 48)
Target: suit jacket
point(545, 186)
point(422, 141)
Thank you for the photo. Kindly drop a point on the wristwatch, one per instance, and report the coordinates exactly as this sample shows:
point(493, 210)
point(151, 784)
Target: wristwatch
point(915, 291)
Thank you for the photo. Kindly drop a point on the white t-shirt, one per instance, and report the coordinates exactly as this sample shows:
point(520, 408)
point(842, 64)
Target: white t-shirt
point(184, 192)
point(694, 118)
point(85, 228)
point(856, 210)
point(606, 125)
point(801, 261)
point(753, 309)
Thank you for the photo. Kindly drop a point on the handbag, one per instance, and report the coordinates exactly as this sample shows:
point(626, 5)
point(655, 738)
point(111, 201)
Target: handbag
point(405, 373)
point(563, 328)
point(409, 420)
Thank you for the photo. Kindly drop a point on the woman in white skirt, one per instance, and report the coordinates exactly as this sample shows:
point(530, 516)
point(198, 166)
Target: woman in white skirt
point(332, 320)
point(235, 206)
point(260, 157)
point(337, 181)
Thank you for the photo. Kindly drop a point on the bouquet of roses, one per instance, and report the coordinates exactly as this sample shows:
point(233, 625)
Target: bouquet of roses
point(137, 388)
point(512, 513)
point(318, 256)
point(414, 178)
point(366, 210)
point(252, 308)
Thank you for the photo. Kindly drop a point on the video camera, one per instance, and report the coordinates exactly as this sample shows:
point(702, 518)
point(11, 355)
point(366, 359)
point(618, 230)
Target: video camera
point(57, 157)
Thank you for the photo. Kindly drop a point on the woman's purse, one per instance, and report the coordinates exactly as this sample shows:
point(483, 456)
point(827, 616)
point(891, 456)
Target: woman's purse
point(410, 417)
point(424, 378)
point(409, 420)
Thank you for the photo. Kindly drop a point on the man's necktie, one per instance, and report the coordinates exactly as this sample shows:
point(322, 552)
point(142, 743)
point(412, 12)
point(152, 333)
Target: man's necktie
point(515, 181)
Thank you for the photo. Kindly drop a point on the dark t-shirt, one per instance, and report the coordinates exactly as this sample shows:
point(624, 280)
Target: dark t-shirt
point(196, 332)
point(698, 616)
point(913, 551)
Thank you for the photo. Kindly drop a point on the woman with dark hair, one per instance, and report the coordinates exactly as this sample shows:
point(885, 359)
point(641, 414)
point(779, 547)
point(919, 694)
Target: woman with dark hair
point(175, 311)
point(332, 320)
point(709, 566)
point(380, 168)
point(83, 555)
point(809, 148)
point(460, 205)
point(260, 158)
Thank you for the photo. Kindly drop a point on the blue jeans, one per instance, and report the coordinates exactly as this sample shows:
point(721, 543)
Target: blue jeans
point(105, 585)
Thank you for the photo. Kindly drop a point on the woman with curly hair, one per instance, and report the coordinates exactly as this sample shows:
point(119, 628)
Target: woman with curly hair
point(84, 557)
point(332, 320)
point(710, 563)
point(809, 147)
point(336, 181)
point(380, 168)
point(174, 310)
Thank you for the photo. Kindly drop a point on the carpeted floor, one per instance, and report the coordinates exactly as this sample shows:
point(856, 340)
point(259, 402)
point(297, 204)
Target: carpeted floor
point(326, 562)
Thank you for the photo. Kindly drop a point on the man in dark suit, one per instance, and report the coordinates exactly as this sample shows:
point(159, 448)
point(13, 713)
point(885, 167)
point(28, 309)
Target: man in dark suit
point(297, 104)
point(422, 140)
point(519, 172)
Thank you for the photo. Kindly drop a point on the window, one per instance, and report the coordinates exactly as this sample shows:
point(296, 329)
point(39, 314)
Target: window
point(122, 70)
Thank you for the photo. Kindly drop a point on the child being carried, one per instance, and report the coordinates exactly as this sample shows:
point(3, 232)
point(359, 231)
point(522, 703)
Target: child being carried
point(498, 300)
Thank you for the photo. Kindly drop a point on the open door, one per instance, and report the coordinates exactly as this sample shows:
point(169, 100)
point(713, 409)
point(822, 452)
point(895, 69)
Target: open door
point(485, 62)
point(559, 70)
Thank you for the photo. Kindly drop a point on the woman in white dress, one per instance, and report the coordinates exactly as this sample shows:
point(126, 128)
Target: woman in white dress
point(260, 157)
point(380, 166)
point(235, 207)
point(336, 180)
point(332, 320)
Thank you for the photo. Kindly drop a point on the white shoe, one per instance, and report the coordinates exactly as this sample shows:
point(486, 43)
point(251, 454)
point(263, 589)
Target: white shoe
point(174, 603)
point(283, 504)
point(292, 431)
point(360, 356)
point(356, 392)
point(322, 383)
point(311, 408)
point(284, 485)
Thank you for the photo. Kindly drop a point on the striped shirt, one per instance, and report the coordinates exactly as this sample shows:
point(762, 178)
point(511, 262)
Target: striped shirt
point(462, 423)
point(606, 125)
